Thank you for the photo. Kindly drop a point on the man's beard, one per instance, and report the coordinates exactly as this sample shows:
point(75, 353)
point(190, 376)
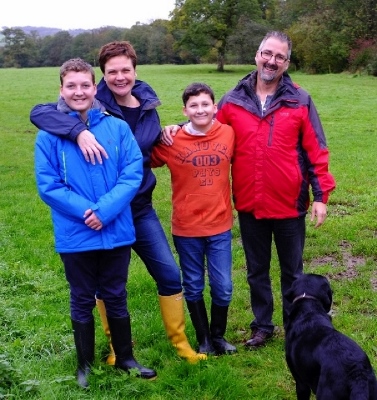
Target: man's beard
point(269, 76)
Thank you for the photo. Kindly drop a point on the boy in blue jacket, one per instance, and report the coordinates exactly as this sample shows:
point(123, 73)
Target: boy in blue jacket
point(91, 215)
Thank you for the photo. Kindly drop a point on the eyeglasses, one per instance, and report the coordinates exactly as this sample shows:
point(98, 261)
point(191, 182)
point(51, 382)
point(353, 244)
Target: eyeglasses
point(267, 55)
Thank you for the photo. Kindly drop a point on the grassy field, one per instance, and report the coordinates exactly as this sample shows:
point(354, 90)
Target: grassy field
point(37, 357)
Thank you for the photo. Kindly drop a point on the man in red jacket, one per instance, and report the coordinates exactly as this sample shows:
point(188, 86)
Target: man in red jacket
point(280, 151)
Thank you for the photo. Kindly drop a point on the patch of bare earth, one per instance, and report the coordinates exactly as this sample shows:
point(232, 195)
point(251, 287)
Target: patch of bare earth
point(350, 262)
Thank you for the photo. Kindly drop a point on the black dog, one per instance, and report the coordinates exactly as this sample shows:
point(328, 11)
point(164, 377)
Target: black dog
point(320, 358)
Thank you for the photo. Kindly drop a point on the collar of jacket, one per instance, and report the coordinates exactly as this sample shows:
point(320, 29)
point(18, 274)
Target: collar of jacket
point(63, 107)
point(285, 84)
point(94, 115)
point(142, 91)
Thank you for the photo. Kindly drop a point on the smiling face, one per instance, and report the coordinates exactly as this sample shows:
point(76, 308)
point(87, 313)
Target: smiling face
point(78, 91)
point(271, 71)
point(120, 76)
point(200, 111)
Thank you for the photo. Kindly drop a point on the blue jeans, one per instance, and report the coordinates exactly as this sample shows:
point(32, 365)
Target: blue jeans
point(217, 251)
point(256, 235)
point(104, 270)
point(153, 248)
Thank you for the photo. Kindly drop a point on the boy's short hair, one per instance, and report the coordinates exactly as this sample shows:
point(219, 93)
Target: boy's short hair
point(114, 49)
point(76, 65)
point(195, 89)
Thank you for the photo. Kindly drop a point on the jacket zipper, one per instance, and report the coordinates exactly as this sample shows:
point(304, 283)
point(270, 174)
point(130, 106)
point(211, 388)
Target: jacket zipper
point(64, 168)
point(271, 123)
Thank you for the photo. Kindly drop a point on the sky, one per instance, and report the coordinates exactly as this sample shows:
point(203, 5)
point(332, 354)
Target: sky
point(76, 14)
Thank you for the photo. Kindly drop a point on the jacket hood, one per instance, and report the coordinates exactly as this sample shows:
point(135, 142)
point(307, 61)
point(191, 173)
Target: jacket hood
point(245, 90)
point(95, 114)
point(141, 90)
point(285, 83)
point(216, 125)
point(63, 107)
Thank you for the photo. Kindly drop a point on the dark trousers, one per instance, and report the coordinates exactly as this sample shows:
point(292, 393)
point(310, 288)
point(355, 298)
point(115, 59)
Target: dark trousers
point(256, 235)
point(103, 270)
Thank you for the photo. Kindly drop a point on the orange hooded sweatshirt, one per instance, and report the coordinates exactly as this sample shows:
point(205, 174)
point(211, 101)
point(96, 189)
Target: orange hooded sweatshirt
point(200, 178)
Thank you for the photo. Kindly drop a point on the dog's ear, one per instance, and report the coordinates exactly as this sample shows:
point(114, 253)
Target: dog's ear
point(326, 294)
point(290, 294)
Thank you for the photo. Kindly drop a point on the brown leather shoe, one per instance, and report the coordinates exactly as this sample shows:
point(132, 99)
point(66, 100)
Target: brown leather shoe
point(258, 339)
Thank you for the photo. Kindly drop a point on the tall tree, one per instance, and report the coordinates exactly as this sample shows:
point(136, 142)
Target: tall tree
point(268, 8)
point(207, 24)
point(56, 49)
point(139, 35)
point(316, 48)
point(326, 32)
point(15, 48)
point(244, 41)
point(359, 17)
point(160, 43)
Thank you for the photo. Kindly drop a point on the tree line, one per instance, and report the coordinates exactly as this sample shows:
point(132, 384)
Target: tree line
point(329, 36)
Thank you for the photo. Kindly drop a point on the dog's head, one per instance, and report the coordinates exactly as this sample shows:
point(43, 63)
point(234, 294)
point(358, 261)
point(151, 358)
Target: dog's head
point(312, 285)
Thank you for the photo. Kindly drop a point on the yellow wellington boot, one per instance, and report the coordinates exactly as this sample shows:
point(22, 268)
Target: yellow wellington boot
point(105, 325)
point(174, 320)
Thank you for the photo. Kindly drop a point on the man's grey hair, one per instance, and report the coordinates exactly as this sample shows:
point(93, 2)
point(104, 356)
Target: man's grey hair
point(283, 37)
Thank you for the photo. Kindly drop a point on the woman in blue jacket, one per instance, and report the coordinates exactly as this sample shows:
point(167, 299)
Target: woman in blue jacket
point(91, 213)
point(134, 101)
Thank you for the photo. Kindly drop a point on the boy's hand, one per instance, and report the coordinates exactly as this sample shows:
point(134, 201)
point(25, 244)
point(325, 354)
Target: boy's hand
point(90, 148)
point(168, 134)
point(92, 221)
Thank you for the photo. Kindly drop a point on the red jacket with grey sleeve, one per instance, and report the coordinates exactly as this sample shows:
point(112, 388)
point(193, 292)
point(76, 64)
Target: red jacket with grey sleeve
point(278, 154)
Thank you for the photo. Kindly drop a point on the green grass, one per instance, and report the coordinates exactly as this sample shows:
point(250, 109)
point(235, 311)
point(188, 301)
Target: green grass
point(37, 358)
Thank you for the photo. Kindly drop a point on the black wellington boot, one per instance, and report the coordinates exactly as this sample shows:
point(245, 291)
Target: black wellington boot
point(199, 318)
point(120, 329)
point(219, 317)
point(83, 333)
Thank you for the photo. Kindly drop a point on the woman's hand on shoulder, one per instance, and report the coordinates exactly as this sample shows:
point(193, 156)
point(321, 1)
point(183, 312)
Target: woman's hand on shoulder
point(90, 148)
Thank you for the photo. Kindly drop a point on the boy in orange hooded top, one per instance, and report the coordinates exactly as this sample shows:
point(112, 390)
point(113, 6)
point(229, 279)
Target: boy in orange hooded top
point(199, 163)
